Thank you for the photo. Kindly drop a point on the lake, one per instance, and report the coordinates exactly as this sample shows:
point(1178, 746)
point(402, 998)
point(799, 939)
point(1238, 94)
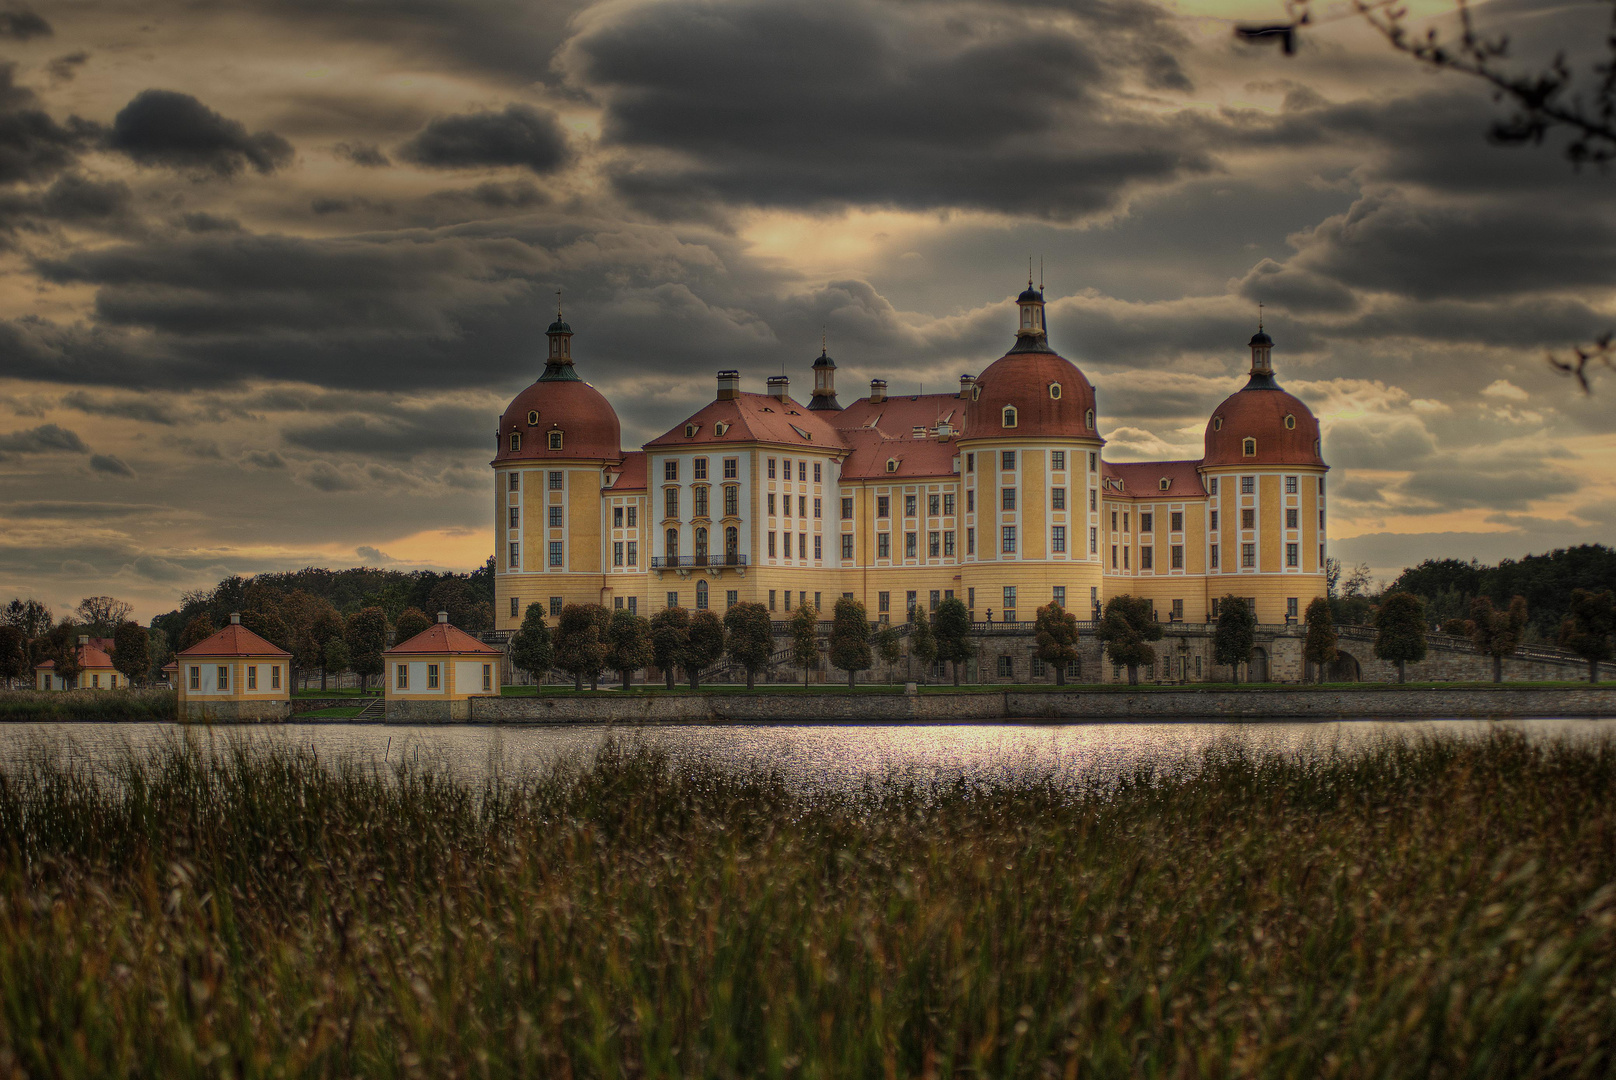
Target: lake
point(810, 756)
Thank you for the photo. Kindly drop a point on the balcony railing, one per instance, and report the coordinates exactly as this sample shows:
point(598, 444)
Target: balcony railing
point(687, 562)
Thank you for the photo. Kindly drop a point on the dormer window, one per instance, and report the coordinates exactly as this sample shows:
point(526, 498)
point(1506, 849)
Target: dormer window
point(516, 441)
point(892, 464)
point(720, 427)
point(555, 440)
point(1217, 423)
point(691, 429)
point(1088, 419)
point(807, 435)
point(1290, 422)
point(1164, 483)
point(1008, 417)
point(976, 392)
point(1249, 447)
point(533, 418)
point(1054, 391)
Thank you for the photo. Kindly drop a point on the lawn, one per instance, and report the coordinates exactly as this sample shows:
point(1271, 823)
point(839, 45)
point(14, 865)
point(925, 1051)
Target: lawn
point(1441, 907)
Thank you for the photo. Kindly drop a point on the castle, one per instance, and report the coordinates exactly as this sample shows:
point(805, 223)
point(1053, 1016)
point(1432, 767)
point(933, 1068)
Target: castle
point(999, 494)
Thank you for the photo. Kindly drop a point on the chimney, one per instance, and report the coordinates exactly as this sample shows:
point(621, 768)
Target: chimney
point(84, 639)
point(966, 382)
point(235, 618)
point(878, 391)
point(729, 385)
point(779, 387)
point(443, 616)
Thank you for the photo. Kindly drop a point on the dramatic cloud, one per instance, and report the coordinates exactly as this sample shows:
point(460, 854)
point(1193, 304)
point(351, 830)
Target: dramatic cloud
point(111, 465)
point(162, 127)
point(45, 439)
point(520, 135)
point(33, 146)
point(363, 154)
point(20, 24)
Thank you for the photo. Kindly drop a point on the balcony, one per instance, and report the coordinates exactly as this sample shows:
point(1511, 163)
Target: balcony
point(697, 562)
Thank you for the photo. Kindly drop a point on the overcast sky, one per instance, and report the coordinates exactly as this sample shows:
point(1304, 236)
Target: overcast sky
point(269, 270)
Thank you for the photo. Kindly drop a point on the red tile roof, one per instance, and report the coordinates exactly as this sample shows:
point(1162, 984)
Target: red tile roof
point(90, 656)
point(631, 474)
point(1142, 479)
point(234, 640)
point(899, 416)
point(754, 418)
point(915, 457)
point(439, 639)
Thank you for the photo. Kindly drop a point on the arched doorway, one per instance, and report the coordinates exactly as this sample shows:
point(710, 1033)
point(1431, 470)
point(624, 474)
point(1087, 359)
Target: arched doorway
point(1344, 668)
point(1257, 668)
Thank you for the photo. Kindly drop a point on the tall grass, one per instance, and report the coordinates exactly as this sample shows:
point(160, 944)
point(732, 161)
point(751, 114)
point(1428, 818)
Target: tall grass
point(1432, 908)
point(107, 705)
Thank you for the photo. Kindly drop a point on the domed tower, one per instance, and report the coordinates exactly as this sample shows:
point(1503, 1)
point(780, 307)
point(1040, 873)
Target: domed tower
point(1029, 459)
point(824, 398)
point(555, 441)
point(1264, 475)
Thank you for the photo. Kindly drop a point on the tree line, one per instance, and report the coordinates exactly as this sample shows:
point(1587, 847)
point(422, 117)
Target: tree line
point(30, 635)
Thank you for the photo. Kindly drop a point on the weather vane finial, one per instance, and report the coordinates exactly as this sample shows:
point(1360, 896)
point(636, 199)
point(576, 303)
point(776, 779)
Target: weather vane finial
point(1029, 271)
point(821, 339)
point(1259, 316)
point(1040, 273)
point(558, 304)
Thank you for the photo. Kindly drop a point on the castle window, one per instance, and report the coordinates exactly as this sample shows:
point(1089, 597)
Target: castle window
point(700, 467)
point(1290, 422)
point(555, 440)
point(1055, 391)
point(892, 464)
point(1217, 423)
point(670, 470)
point(976, 392)
point(533, 418)
point(1248, 447)
point(516, 441)
point(1008, 419)
point(720, 427)
point(691, 429)
point(1164, 483)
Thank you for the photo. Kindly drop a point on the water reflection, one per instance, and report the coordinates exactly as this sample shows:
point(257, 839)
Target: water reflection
point(811, 757)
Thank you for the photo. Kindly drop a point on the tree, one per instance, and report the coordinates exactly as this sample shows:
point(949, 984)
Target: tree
point(805, 639)
point(670, 633)
point(628, 643)
point(1320, 647)
point(1056, 634)
point(366, 634)
point(1235, 635)
point(704, 646)
point(159, 652)
point(269, 625)
point(324, 627)
point(850, 638)
point(197, 630)
point(751, 638)
point(1496, 633)
point(922, 641)
point(1127, 627)
point(14, 665)
point(580, 643)
point(336, 658)
point(951, 627)
point(1456, 627)
point(131, 651)
point(61, 646)
point(1588, 627)
point(1350, 593)
point(531, 650)
point(889, 646)
point(98, 616)
point(30, 616)
point(412, 621)
point(1400, 630)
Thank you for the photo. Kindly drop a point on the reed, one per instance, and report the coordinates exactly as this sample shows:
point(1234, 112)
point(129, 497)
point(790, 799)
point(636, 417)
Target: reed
point(1434, 907)
point(101, 705)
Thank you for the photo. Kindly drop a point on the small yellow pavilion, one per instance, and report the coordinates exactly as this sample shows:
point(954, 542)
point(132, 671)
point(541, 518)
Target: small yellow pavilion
point(95, 669)
point(435, 674)
point(234, 675)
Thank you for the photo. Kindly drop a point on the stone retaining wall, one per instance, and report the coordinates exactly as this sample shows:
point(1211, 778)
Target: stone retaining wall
point(1065, 705)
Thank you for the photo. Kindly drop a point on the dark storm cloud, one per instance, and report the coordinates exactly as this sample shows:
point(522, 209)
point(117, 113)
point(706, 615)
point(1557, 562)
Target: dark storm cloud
point(165, 128)
point(110, 464)
point(71, 200)
point(44, 439)
point(402, 435)
point(124, 408)
point(33, 146)
point(514, 195)
point(367, 155)
point(826, 104)
point(65, 68)
point(519, 135)
point(21, 24)
point(76, 511)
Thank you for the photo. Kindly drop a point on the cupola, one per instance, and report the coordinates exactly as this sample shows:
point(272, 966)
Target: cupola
point(558, 365)
point(824, 398)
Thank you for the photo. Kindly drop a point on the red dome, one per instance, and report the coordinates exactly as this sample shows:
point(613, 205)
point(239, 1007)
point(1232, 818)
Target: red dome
point(586, 420)
point(1285, 430)
point(1024, 379)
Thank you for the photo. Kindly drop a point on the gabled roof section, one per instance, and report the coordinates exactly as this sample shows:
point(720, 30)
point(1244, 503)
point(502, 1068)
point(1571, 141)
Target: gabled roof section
point(1142, 479)
point(631, 473)
point(234, 640)
point(95, 655)
point(750, 418)
point(897, 417)
point(442, 639)
point(913, 458)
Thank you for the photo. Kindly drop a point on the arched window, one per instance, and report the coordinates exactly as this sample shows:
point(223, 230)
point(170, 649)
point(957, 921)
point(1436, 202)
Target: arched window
point(555, 440)
point(1088, 419)
point(1217, 423)
point(672, 541)
point(701, 543)
point(1055, 391)
point(1249, 448)
point(1008, 418)
point(732, 541)
point(533, 418)
point(516, 441)
point(1290, 422)
point(701, 596)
